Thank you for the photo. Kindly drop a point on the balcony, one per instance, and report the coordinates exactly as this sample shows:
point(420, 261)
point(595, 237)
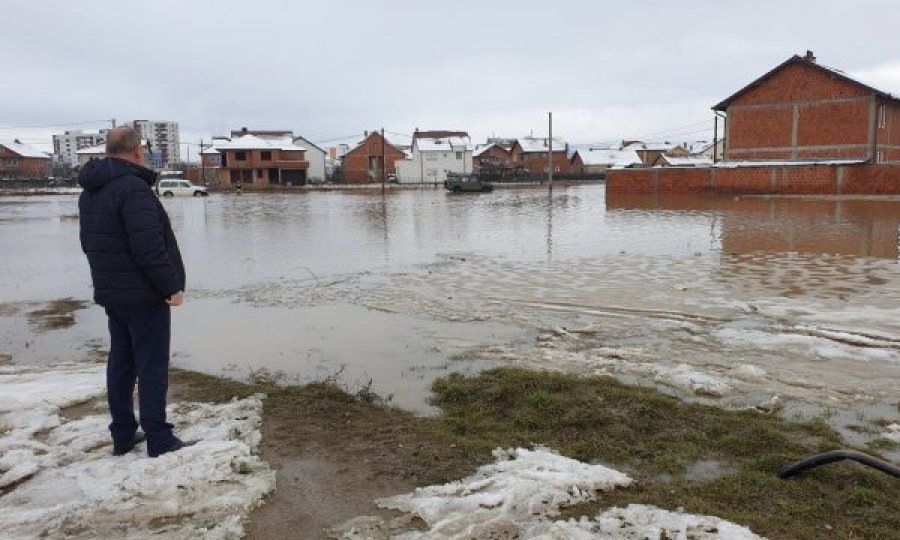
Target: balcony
point(290, 163)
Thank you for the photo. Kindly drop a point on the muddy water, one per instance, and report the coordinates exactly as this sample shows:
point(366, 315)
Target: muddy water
point(789, 304)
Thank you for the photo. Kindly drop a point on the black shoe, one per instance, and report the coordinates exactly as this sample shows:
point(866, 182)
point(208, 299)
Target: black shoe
point(122, 449)
point(178, 445)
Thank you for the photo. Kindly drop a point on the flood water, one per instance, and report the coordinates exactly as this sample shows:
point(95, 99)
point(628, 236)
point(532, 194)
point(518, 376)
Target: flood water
point(740, 301)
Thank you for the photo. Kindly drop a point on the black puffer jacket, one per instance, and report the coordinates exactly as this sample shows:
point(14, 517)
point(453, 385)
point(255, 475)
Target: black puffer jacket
point(126, 236)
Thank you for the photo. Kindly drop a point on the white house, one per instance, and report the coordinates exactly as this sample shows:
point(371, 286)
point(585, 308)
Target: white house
point(433, 155)
point(92, 152)
point(595, 160)
point(316, 173)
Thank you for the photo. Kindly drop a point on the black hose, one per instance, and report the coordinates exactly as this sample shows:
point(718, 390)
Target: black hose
point(838, 455)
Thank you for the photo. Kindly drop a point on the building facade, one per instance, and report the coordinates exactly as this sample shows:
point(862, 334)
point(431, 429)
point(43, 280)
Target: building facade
point(66, 144)
point(371, 160)
point(532, 153)
point(434, 154)
point(163, 139)
point(801, 110)
point(252, 161)
point(316, 156)
point(21, 161)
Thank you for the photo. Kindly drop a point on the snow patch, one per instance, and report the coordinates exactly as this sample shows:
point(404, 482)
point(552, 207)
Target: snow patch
point(63, 481)
point(892, 433)
point(515, 496)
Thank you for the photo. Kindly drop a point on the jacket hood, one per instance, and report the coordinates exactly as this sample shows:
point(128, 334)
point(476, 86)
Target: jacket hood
point(97, 173)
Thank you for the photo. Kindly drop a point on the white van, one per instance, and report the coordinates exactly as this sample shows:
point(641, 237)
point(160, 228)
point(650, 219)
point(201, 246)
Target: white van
point(169, 187)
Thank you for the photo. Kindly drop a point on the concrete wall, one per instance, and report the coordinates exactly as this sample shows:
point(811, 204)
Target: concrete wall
point(863, 179)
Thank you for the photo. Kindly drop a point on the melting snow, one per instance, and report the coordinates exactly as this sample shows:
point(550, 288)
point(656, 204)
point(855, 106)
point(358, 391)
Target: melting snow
point(515, 496)
point(59, 478)
point(892, 433)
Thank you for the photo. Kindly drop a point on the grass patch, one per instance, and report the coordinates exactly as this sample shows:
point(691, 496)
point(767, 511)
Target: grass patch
point(649, 435)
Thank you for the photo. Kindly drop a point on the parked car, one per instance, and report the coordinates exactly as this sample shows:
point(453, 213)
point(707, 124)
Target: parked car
point(169, 187)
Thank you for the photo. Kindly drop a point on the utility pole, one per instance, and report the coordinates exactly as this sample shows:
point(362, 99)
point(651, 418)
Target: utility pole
point(202, 163)
point(112, 122)
point(550, 153)
point(383, 161)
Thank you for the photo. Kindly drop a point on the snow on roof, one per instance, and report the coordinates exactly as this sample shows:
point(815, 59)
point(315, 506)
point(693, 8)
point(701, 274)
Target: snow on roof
point(482, 148)
point(253, 142)
point(541, 144)
point(99, 149)
point(611, 158)
point(208, 151)
point(24, 150)
point(438, 144)
point(688, 161)
point(797, 163)
point(650, 146)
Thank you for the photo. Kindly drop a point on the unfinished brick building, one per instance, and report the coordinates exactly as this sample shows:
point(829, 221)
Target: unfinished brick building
point(800, 129)
point(801, 110)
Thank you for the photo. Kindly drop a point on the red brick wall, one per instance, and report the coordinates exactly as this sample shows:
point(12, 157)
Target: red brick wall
point(826, 111)
point(25, 167)
point(536, 162)
point(834, 123)
point(758, 128)
point(791, 180)
point(799, 82)
point(354, 162)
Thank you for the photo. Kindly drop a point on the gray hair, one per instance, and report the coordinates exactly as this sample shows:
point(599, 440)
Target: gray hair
point(122, 140)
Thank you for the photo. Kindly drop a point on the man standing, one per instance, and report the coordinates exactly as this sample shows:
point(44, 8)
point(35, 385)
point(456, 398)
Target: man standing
point(138, 274)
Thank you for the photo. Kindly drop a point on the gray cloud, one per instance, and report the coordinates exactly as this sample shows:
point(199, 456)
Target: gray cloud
point(330, 69)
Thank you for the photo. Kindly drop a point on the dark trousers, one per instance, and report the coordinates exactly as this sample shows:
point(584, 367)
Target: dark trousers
point(139, 351)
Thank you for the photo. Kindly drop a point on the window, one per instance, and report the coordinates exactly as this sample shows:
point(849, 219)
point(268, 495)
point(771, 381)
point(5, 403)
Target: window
point(459, 155)
point(240, 156)
point(880, 156)
point(259, 173)
point(882, 117)
point(430, 157)
point(265, 155)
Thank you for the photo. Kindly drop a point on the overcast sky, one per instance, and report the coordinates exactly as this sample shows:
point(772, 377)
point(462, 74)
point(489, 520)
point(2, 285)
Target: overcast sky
point(331, 69)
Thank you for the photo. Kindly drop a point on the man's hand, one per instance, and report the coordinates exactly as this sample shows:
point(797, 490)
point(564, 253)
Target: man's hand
point(176, 299)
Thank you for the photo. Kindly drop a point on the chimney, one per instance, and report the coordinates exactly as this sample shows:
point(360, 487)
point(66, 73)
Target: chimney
point(810, 57)
point(243, 130)
point(17, 141)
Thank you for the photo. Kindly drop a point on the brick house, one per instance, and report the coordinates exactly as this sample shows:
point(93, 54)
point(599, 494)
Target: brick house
point(801, 110)
point(532, 153)
point(370, 158)
point(19, 160)
point(254, 161)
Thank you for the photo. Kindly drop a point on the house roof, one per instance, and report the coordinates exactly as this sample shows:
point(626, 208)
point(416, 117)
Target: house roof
point(611, 158)
point(485, 147)
point(687, 161)
point(253, 142)
point(22, 149)
point(438, 144)
point(541, 144)
point(276, 133)
point(649, 146)
point(362, 144)
point(438, 134)
point(307, 142)
point(797, 59)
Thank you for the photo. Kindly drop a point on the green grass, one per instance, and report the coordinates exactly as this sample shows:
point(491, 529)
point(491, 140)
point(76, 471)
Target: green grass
point(653, 437)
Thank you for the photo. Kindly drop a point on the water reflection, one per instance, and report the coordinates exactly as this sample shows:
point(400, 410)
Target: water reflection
point(858, 228)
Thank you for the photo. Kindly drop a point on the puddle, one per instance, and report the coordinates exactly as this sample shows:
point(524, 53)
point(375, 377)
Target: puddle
point(401, 355)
